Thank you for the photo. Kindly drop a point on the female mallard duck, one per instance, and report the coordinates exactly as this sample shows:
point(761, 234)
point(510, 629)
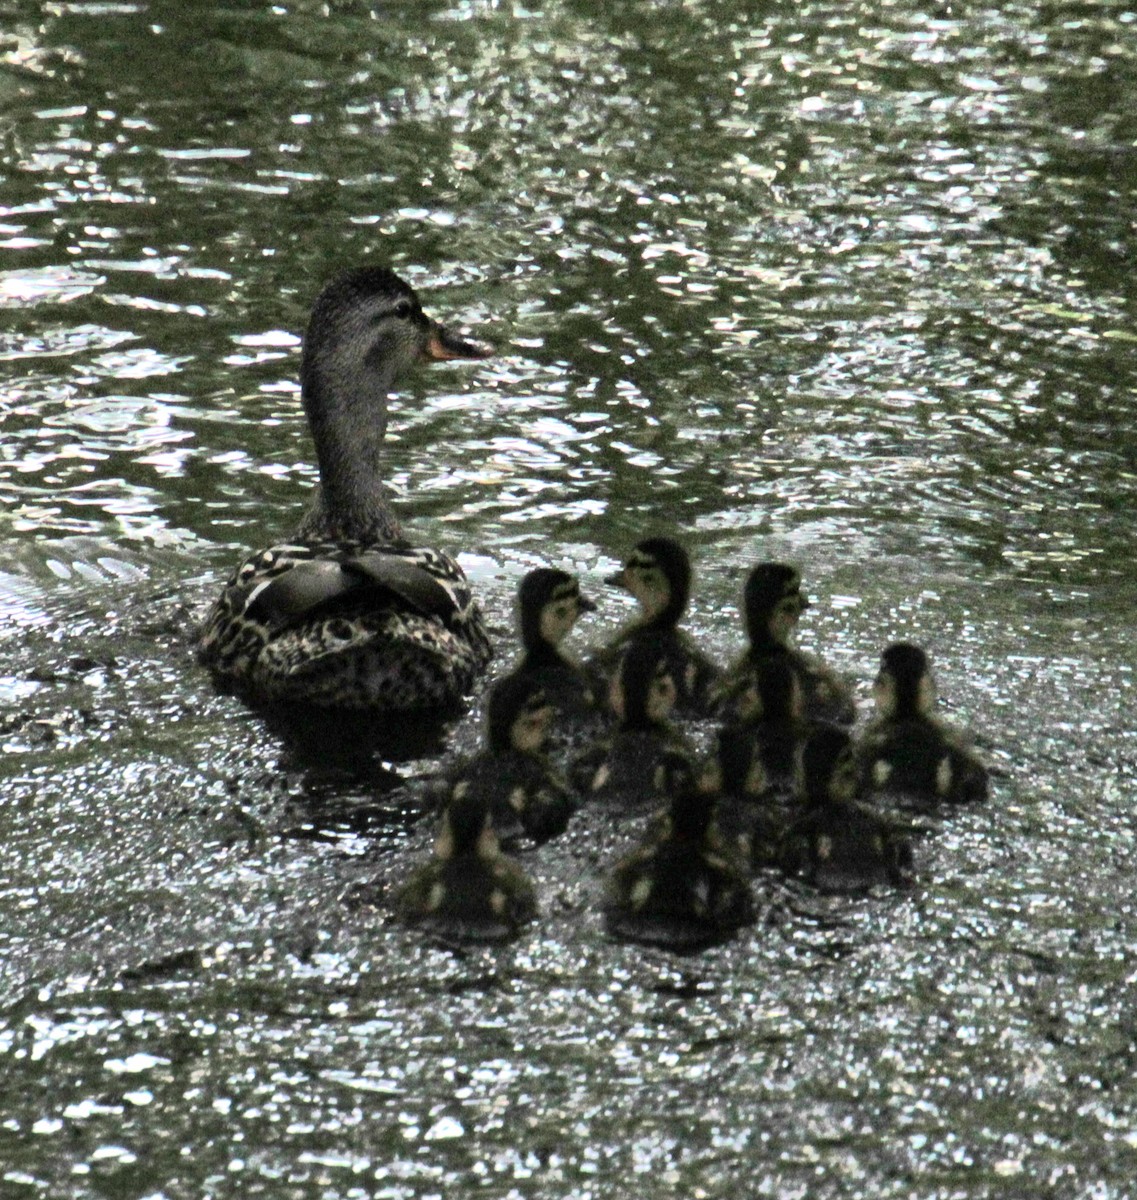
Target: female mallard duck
point(625, 769)
point(348, 614)
point(683, 888)
point(469, 891)
point(838, 845)
point(549, 604)
point(906, 750)
point(772, 604)
point(658, 575)
point(512, 775)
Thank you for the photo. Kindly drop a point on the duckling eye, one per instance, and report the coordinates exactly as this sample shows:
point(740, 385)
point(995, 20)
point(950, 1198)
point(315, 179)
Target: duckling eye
point(403, 310)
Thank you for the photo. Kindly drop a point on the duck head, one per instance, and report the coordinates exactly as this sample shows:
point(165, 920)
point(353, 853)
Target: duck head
point(367, 329)
point(518, 716)
point(465, 828)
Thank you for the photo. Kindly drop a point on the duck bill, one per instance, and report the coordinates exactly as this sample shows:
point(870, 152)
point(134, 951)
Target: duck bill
point(584, 604)
point(620, 579)
point(443, 345)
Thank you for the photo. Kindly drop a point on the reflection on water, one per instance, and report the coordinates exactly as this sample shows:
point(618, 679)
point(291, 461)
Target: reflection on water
point(844, 283)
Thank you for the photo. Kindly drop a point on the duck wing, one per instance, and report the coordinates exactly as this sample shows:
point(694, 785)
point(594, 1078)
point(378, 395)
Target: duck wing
point(312, 588)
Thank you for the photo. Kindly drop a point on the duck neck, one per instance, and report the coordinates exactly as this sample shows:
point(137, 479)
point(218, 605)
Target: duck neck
point(350, 502)
point(540, 653)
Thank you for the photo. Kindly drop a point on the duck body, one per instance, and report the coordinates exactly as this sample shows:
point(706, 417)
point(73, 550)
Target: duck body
point(347, 613)
point(757, 760)
point(908, 752)
point(773, 602)
point(469, 891)
point(347, 624)
point(658, 574)
point(682, 889)
point(837, 844)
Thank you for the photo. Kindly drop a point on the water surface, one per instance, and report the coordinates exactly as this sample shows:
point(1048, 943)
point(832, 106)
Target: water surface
point(846, 284)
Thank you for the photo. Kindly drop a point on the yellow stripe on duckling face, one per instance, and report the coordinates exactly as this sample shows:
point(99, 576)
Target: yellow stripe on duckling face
point(640, 892)
point(944, 776)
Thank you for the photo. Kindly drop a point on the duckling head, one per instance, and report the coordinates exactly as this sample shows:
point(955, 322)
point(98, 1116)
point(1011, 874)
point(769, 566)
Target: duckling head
point(549, 603)
point(772, 603)
point(518, 715)
point(643, 690)
point(829, 771)
point(904, 686)
point(658, 574)
point(366, 330)
point(465, 827)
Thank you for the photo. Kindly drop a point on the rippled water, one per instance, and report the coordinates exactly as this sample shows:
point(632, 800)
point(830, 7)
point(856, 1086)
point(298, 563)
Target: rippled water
point(843, 283)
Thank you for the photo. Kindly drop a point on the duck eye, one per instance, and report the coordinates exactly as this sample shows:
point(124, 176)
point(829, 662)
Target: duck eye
point(403, 309)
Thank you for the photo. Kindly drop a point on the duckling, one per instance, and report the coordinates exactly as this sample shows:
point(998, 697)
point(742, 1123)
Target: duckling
point(512, 775)
point(908, 751)
point(469, 891)
point(682, 888)
point(348, 614)
point(550, 603)
point(658, 575)
point(772, 605)
point(625, 769)
point(767, 716)
point(838, 845)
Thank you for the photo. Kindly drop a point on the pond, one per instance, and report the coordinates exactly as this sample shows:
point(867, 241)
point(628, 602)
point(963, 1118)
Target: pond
point(845, 284)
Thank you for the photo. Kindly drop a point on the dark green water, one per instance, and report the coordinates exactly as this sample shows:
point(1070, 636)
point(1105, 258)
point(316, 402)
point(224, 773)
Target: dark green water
point(849, 284)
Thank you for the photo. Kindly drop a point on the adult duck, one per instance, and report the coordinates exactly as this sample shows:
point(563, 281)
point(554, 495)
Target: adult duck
point(347, 614)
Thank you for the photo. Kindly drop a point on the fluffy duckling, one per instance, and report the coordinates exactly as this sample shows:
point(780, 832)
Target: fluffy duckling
point(549, 604)
point(469, 891)
point(683, 889)
point(658, 575)
point(906, 750)
point(511, 775)
point(838, 845)
point(772, 603)
point(347, 614)
point(626, 768)
point(767, 715)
